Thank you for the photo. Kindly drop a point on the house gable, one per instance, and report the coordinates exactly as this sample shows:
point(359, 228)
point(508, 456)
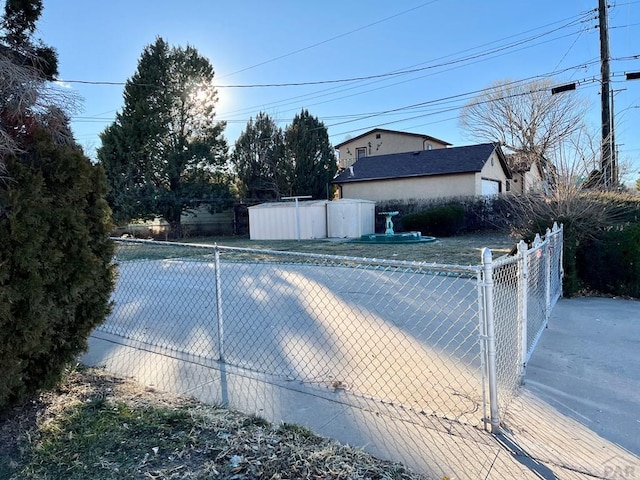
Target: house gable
point(527, 173)
point(384, 142)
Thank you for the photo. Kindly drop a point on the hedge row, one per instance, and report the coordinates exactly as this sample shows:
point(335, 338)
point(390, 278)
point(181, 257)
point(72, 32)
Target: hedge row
point(479, 213)
point(612, 264)
point(602, 239)
point(440, 221)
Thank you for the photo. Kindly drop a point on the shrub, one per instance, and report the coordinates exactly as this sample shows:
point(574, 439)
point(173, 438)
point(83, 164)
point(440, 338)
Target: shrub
point(480, 213)
point(56, 275)
point(440, 221)
point(586, 216)
point(612, 265)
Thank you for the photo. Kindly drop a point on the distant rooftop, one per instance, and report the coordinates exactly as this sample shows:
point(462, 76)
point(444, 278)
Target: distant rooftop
point(382, 130)
point(440, 161)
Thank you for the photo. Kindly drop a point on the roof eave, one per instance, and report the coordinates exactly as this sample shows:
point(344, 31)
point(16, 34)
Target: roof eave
point(417, 175)
point(503, 160)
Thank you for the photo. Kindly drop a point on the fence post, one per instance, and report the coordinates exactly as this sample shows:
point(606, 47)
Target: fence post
point(547, 275)
point(487, 267)
point(482, 336)
point(560, 245)
point(220, 318)
point(523, 308)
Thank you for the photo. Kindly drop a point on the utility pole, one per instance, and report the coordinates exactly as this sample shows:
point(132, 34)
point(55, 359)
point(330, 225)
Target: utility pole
point(615, 174)
point(609, 179)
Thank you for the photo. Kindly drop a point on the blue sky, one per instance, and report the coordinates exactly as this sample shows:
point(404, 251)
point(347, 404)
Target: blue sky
point(460, 46)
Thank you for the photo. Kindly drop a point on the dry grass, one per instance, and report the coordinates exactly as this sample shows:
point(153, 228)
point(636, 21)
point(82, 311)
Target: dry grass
point(96, 426)
point(459, 250)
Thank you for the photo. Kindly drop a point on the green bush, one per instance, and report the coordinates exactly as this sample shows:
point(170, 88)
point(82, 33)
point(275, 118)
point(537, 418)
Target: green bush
point(439, 221)
point(56, 275)
point(612, 264)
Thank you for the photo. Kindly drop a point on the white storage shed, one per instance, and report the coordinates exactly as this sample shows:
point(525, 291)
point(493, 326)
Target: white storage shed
point(288, 220)
point(350, 218)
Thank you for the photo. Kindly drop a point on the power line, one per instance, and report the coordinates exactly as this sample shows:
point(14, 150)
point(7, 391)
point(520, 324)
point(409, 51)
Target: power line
point(331, 39)
point(624, 26)
point(467, 94)
point(333, 91)
point(332, 81)
point(365, 115)
point(568, 22)
point(580, 18)
point(455, 99)
point(580, 82)
point(382, 77)
point(353, 79)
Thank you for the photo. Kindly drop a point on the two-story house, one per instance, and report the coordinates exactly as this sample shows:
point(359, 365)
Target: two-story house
point(383, 142)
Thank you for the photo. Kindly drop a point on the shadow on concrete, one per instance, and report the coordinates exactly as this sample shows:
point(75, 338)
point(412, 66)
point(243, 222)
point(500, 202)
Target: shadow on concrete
point(539, 469)
point(540, 441)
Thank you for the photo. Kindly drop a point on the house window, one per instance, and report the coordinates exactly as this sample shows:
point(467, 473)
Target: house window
point(361, 152)
point(377, 136)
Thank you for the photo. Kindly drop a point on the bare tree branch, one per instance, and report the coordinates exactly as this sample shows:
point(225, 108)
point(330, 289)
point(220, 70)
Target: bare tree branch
point(25, 97)
point(525, 118)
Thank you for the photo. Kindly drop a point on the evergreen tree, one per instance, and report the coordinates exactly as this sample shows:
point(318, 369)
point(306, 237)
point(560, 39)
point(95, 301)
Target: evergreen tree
point(18, 25)
point(56, 274)
point(165, 152)
point(311, 155)
point(259, 159)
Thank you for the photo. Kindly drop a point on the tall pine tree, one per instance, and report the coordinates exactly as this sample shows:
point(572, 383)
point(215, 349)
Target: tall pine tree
point(259, 160)
point(311, 155)
point(165, 152)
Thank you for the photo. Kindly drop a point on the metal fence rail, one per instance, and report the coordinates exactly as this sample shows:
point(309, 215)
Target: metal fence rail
point(441, 342)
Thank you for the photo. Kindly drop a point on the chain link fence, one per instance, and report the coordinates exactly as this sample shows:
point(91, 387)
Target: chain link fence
point(400, 332)
point(525, 287)
point(439, 346)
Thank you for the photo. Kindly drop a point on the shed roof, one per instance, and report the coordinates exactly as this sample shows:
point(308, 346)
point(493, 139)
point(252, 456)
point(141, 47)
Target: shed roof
point(441, 161)
point(301, 204)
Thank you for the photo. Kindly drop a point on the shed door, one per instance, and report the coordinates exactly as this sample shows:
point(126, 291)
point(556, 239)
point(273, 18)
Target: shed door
point(490, 187)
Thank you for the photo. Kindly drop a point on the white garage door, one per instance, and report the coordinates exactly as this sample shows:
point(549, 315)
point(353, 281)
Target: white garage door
point(490, 187)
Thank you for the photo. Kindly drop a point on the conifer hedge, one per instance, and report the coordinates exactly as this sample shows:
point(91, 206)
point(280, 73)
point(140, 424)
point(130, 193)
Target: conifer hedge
point(56, 274)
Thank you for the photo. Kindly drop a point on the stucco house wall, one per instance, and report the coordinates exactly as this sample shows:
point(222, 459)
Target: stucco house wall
point(411, 188)
point(493, 171)
point(383, 142)
point(527, 176)
point(529, 181)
